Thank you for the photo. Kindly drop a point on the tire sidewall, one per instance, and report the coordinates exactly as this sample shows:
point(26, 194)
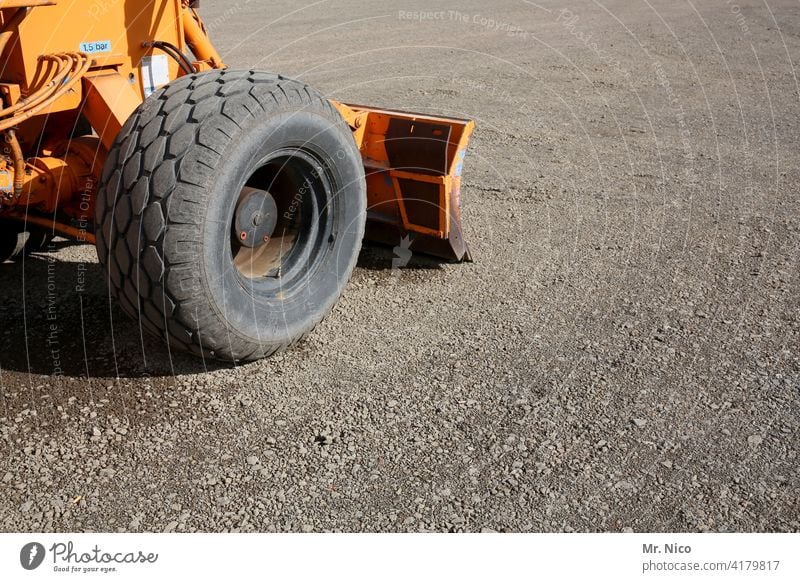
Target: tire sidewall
point(267, 318)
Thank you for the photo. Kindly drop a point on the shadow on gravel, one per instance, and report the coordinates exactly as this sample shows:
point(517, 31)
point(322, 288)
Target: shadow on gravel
point(376, 257)
point(57, 320)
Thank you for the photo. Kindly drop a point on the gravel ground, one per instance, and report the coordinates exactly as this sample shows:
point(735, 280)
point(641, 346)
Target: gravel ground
point(622, 354)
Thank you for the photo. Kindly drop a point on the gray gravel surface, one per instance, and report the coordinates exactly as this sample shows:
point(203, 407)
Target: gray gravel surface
point(622, 354)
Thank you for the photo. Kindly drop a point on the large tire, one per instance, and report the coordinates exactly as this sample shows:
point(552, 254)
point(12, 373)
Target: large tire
point(181, 173)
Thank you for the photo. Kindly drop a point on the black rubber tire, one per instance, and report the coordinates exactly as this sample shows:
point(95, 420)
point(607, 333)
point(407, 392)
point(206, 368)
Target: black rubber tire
point(167, 198)
point(15, 241)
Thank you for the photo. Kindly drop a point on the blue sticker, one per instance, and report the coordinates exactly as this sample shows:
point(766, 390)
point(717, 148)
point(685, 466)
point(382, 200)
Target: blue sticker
point(96, 47)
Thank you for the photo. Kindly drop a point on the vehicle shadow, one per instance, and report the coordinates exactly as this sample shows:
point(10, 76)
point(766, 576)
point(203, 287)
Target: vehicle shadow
point(377, 257)
point(58, 319)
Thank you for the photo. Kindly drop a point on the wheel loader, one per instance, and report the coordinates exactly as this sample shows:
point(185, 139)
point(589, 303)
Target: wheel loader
point(227, 207)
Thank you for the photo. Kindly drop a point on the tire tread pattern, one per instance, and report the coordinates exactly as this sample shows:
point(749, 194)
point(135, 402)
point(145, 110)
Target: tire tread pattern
point(154, 186)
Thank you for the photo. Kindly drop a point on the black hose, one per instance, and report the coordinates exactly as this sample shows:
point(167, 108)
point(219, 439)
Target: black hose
point(173, 51)
point(183, 61)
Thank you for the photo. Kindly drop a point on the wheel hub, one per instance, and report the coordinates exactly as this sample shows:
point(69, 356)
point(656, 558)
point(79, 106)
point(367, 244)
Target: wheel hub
point(255, 218)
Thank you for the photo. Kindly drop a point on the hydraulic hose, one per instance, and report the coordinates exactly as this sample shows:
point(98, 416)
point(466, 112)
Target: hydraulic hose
point(76, 66)
point(54, 81)
point(19, 161)
point(183, 61)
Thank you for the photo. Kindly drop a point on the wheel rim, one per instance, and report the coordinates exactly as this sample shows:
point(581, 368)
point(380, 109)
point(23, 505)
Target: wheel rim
point(281, 220)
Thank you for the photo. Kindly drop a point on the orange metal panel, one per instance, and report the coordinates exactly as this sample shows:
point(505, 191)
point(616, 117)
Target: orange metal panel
point(198, 40)
point(110, 32)
point(110, 100)
point(413, 165)
point(25, 3)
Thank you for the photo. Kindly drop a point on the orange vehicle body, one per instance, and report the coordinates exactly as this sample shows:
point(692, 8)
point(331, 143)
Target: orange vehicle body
point(68, 65)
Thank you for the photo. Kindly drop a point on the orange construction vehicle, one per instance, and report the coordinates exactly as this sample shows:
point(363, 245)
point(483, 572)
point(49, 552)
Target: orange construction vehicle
point(227, 206)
